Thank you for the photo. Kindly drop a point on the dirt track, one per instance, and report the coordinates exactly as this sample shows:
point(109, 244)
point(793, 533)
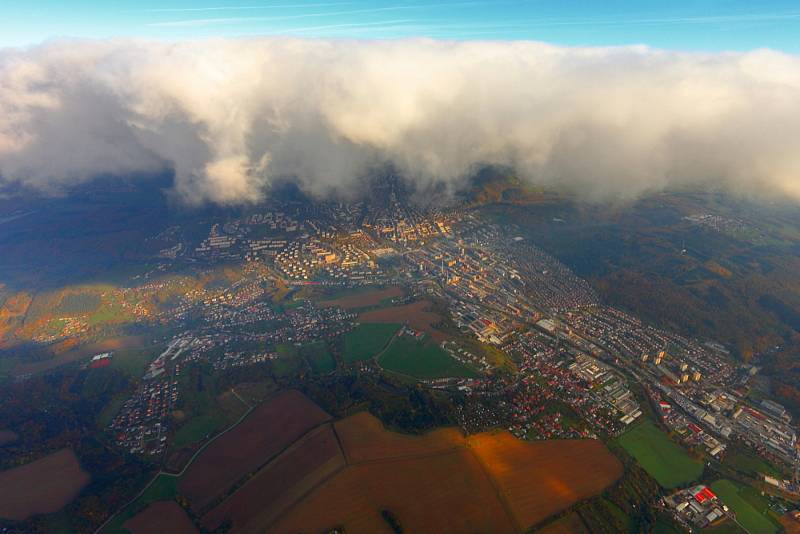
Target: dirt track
point(268, 430)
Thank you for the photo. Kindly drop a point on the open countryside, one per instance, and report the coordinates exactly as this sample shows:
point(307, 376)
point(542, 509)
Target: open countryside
point(267, 430)
point(354, 471)
point(319, 481)
point(348, 266)
point(285, 480)
point(367, 340)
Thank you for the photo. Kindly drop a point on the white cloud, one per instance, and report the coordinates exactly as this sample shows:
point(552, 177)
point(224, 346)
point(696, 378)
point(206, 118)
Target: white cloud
point(230, 115)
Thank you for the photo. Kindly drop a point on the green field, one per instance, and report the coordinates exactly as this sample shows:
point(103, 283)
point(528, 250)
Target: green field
point(133, 362)
point(750, 464)
point(111, 312)
point(292, 359)
point(111, 409)
point(289, 361)
point(367, 340)
point(318, 357)
point(663, 459)
point(197, 428)
point(749, 506)
point(662, 527)
point(421, 359)
point(207, 410)
point(728, 527)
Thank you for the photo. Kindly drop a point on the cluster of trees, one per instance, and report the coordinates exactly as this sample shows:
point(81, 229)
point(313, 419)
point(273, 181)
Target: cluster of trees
point(627, 505)
point(783, 368)
point(408, 408)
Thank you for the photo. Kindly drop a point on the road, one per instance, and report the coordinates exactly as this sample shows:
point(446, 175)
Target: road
point(185, 467)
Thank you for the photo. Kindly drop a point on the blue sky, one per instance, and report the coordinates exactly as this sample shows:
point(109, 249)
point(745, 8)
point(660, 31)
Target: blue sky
point(675, 24)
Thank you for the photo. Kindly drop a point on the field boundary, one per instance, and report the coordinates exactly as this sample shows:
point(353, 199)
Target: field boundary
point(313, 488)
point(182, 471)
point(449, 450)
point(248, 476)
point(500, 496)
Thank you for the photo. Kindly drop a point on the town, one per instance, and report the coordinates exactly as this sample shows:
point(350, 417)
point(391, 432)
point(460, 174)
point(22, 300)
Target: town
point(580, 368)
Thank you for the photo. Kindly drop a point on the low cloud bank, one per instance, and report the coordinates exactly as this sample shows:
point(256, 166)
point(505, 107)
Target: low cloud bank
point(228, 116)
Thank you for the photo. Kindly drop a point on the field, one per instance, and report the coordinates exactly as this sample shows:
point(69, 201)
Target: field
point(41, 487)
point(56, 314)
point(414, 315)
point(161, 516)
point(285, 480)
point(265, 432)
point(789, 524)
point(726, 527)
point(421, 359)
point(664, 460)
point(318, 357)
point(664, 528)
point(197, 428)
point(367, 340)
point(134, 361)
point(570, 524)
point(364, 439)
point(363, 299)
point(436, 482)
point(214, 414)
point(745, 507)
point(750, 464)
point(435, 493)
point(541, 478)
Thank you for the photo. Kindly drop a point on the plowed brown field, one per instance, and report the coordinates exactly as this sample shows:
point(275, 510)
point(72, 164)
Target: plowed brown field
point(446, 492)
point(790, 524)
point(161, 516)
point(544, 477)
point(268, 430)
point(438, 482)
point(41, 487)
point(287, 479)
point(414, 315)
point(364, 438)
